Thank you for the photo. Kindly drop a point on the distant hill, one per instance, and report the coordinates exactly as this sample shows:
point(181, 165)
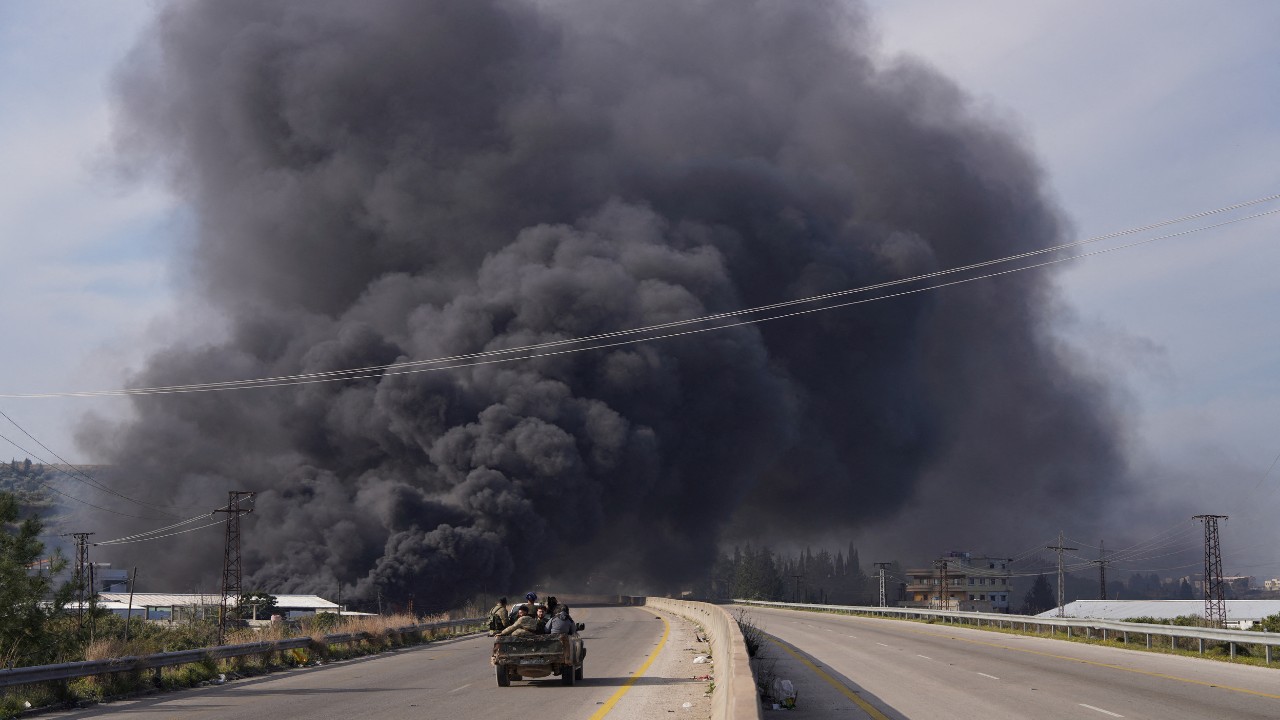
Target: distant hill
point(22, 478)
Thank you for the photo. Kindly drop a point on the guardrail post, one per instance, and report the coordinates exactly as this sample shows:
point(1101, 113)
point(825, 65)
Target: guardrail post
point(1268, 655)
point(1104, 634)
point(1126, 636)
point(1233, 650)
point(1201, 646)
point(1148, 641)
point(1068, 632)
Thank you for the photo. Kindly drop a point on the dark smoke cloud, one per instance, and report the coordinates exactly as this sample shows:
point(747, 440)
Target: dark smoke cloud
point(391, 180)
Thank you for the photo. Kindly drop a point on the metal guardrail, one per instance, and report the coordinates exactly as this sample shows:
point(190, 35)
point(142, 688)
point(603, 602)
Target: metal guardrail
point(70, 671)
point(1089, 625)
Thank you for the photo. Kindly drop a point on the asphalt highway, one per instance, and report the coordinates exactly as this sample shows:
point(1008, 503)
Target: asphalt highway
point(850, 667)
point(453, 679)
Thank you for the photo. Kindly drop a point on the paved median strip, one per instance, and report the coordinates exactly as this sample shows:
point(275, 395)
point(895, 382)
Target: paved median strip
point(613, 699)
point(845, 690)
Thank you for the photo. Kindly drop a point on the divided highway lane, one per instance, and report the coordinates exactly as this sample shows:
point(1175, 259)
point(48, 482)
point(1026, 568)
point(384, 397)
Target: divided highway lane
point(450, 679)
point(888, 668)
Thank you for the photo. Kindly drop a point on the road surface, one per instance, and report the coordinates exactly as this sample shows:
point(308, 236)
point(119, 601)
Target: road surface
point(850, 667)
point(453, 679)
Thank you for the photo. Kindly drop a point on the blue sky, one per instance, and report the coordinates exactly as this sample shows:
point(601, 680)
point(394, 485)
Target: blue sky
point(1139, 111)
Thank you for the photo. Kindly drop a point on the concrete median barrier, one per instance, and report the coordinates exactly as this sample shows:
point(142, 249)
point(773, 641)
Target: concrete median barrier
point(734, 697)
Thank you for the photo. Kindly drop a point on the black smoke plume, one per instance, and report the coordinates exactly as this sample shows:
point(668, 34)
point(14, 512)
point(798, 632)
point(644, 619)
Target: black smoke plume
point(406, 179)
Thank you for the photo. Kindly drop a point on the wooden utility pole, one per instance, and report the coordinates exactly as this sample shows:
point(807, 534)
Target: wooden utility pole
point(1061, 576)
point(128, 617)
point(1102, 570)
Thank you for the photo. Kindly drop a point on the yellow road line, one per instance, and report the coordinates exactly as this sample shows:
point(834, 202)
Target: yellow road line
point(867, 707)
point(613, 700)
point(1148, 673)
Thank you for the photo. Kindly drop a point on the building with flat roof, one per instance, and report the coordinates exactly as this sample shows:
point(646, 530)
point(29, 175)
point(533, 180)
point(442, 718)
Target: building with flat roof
point(196, 606)
point(961, 581)
point(1241, 614)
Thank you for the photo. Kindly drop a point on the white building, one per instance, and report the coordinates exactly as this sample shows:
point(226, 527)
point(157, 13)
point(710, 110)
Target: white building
point(1241, 614)
point(191, 606)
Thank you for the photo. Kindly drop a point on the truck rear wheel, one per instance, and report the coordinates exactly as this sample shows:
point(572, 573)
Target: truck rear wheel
point(577, 673)
point(504, 680)
point(568, 676)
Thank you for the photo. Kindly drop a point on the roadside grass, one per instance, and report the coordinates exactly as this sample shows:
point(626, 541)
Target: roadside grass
point(380, 635)
point(1246, 653)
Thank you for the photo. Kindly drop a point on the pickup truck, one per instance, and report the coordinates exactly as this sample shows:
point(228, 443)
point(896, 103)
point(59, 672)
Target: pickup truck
point(529, 657)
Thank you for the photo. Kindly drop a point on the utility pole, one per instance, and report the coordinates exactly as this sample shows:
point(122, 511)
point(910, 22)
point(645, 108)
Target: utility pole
point(882, 566)
point(1061, 587)
point(1102, 570)
point(231, 575)
point(1215, 603)
point(942, 594)
point(82, 560)
point(128, 618)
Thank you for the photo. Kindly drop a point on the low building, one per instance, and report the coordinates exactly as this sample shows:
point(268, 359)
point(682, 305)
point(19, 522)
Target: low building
point(1241, 614)
point(197, 606)
point(961, 581)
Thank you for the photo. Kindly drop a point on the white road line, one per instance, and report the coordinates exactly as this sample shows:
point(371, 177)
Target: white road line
point(855, 637)
point(464, 687)
point(926, 657)
point(1104, 712)
point(993, 677)
point(882, 645)
point(829, 630)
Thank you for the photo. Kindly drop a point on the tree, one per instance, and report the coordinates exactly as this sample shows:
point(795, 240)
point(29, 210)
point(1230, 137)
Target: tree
point(256, 605)
point(756, 577)
point(1039, 598)
point(1184, 591)
point(1270, 623)
point(26, 636)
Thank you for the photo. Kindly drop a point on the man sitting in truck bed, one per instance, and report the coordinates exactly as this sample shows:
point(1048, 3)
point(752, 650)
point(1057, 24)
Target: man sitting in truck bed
point(562, 623)
point(525, 624)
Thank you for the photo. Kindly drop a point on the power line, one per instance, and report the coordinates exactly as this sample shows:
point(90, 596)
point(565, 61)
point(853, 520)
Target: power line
point(65, 495)
point(530, 351)
point(157, 537)
point(79, 474)
point(154, 534)
point(145, 535)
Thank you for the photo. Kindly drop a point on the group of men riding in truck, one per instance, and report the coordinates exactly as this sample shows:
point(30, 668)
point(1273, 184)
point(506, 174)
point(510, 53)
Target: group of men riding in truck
point(531, 618)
